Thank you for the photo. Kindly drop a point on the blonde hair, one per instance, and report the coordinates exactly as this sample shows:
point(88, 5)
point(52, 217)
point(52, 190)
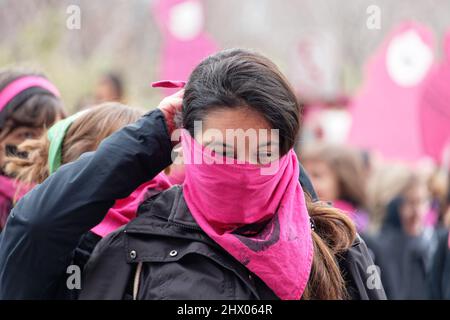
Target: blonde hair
point(84, 135)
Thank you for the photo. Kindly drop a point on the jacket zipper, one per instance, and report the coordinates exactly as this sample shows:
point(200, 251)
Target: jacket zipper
point(184, 226)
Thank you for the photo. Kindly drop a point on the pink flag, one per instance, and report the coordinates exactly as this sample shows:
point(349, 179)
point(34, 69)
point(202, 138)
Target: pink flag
point(435, 108)
point(184, 43)
point(385, 111)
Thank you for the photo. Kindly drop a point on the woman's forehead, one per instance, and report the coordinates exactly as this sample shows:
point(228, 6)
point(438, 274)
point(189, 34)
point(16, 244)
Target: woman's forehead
point(235, 118)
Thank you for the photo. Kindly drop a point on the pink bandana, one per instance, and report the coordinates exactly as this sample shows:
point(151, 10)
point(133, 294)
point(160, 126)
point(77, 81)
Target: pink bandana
point(125, 209)
point(9, 193)
point(261, 220)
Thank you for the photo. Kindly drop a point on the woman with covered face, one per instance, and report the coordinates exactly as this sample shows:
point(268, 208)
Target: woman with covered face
point(239, 227)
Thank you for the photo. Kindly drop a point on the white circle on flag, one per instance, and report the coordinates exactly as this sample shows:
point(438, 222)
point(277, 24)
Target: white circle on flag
point(408, 59)
point(186, 20)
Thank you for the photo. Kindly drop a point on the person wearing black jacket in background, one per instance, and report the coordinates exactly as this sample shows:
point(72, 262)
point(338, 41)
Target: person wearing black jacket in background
point(404, 247)
point(46, 224)
point(439, 278)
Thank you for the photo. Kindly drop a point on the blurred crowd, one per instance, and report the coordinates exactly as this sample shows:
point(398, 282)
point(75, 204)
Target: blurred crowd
point(402, 212)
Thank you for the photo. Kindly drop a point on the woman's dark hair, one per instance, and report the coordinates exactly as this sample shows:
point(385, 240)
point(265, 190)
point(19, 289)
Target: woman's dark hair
point(240, 78)
point(36, 109)
point(236, 78)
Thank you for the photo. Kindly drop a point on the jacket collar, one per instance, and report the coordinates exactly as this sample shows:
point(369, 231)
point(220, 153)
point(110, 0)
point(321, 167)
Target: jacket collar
point(167, 214)
point(169, 205)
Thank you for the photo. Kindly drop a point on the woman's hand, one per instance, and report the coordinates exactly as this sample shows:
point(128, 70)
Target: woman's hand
point(170, 106)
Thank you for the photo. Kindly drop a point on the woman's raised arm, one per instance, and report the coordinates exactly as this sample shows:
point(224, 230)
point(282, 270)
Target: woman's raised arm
point(45, 226)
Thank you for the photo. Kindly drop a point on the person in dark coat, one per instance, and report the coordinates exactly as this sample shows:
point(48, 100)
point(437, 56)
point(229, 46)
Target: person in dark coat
point(404, 247)
point(171, 251)
point(439, 279)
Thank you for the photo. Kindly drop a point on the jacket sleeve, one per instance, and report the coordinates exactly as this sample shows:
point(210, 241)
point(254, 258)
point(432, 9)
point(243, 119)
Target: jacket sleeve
point(45, 226)
point(362, 276)
point(438, 272)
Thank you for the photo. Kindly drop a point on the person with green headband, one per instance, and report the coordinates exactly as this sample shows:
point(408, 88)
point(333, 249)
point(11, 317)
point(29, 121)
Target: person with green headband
point(65, 142)
point(56, 136)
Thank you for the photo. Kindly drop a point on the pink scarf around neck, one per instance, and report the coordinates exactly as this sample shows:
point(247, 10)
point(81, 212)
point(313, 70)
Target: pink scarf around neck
point(261, 220)
point(125, 209)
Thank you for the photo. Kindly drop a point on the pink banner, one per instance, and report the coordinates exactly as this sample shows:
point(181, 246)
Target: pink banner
point(184, 43)
point(435, 108)
point(385, 111)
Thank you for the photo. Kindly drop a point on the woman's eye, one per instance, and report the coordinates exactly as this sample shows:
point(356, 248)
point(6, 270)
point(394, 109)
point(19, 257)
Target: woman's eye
point(29, 135)
point(264, 157)
point(223, 152)
point(25, 135)
point(228, 154)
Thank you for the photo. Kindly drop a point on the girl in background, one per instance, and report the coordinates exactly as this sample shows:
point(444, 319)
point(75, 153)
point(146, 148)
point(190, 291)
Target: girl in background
point(29, 103)
point(338, 176)
point(65, 142)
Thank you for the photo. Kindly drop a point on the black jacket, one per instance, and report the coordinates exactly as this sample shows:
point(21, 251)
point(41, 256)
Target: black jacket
point(45, 227)
point(405, 261)
point(439, 278)
point(179, 261)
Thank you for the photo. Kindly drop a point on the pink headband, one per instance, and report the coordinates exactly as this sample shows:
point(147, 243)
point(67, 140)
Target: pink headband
point(22, 84)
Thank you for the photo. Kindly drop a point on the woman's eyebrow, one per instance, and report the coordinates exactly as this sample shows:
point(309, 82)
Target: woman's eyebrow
point(225, 145)
point(264, 144)
point(218, 143)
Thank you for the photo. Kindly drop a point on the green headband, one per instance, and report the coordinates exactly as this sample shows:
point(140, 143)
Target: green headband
point(56, 136)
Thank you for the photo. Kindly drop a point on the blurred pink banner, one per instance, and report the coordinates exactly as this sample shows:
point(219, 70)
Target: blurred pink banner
point(184, 41)
point(435, 108)
point(385, 111)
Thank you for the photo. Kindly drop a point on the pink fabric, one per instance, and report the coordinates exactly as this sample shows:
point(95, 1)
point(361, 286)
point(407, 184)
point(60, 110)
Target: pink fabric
point(385, 115)
point(168, 84)
point(176, 175)
point(23, 83)
point(261, 220)
point(435, 109)
point(179, 56)
point(431, 218)
point(346, 207)
point(7, 191)
point(360, 218)
point(8, 194)
point(125, 209)
point(7, 187)
point(449, 239)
